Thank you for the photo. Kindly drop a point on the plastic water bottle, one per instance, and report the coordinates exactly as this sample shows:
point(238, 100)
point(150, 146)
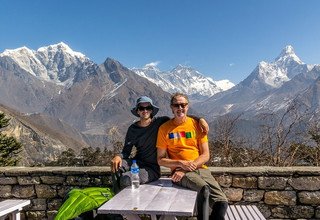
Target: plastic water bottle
point(135, 181)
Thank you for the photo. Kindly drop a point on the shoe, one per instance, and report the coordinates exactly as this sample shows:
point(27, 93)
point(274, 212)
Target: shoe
point(218, 211)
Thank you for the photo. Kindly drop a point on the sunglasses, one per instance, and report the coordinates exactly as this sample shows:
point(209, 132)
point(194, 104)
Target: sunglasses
point(182, 105)
point(148, 108)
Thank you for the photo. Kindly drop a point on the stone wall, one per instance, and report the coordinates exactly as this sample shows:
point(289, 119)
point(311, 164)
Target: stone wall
point(279, 192)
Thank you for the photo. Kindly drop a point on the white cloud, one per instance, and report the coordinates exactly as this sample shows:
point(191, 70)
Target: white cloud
point(152, 64)
point(231, 64)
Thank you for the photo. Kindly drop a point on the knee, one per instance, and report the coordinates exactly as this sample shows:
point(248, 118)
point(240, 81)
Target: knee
point(205, 191)
point(125, 181)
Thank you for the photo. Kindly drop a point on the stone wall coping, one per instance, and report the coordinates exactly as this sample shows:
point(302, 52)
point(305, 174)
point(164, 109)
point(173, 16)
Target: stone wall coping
point(268, 170)
point(255, 171)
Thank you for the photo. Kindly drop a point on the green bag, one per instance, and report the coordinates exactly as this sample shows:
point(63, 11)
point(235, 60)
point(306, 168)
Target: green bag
point(83, 200)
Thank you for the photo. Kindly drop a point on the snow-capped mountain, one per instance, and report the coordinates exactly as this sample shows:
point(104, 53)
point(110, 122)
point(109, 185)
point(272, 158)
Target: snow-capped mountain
point(272, 75)
point(254, 93)
point(56, 63)
point(183, 79)
point(291, 91)
point(155, 75)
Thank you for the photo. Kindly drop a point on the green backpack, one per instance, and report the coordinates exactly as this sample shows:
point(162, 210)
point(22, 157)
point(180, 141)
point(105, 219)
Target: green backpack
point(83, 200)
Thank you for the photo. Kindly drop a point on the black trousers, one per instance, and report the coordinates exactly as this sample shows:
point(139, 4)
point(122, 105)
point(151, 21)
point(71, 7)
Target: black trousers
point(121, 179)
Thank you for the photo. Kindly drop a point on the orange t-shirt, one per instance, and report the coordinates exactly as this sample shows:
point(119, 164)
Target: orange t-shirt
point(182, 141)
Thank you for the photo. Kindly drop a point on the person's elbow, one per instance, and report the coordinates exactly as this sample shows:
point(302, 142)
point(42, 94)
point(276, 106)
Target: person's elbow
point(160, 157)
point(206, 157)
point(160, 161)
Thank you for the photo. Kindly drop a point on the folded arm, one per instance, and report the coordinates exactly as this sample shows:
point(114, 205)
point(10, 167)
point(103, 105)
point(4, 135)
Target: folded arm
point(186, 165)
point(204, 155)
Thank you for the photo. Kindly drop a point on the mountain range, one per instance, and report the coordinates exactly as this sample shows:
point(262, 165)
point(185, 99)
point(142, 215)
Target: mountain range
point(184, 79)
point(57, 94)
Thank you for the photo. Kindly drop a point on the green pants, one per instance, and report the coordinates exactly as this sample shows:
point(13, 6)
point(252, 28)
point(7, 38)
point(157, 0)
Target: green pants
point(197, 179)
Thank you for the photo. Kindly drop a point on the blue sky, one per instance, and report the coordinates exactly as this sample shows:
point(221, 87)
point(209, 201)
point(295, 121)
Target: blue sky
point(221, 39)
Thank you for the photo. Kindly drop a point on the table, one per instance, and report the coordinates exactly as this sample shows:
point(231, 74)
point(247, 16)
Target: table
point(157, 198)
point(12, 208)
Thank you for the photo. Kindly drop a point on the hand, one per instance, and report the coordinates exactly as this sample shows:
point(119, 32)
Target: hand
point(204, 126)
point(188, 165)
point(177, 176)
point(116, 162)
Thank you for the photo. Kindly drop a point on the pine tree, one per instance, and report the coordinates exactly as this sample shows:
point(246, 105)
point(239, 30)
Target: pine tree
point(9, 146)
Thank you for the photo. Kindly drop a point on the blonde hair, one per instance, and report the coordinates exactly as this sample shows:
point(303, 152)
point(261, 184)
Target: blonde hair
point(178, 94)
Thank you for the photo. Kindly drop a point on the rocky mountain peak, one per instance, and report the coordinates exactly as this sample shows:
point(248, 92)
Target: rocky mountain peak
point(56, 63)
point(59, 56)
point(181, 69)
point(287, 57)
point(149, 71)
point(186, 74)
point(27, 60)
point(51, 51)
point(115, 70)
point(273, 75)
point(112, 65)
point(21, 51)
point(287, 50)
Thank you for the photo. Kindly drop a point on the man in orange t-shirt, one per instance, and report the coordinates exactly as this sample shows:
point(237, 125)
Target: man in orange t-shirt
point(183, 148)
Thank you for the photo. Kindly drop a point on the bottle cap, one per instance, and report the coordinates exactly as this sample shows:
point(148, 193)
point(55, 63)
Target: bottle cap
point(134, 161)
